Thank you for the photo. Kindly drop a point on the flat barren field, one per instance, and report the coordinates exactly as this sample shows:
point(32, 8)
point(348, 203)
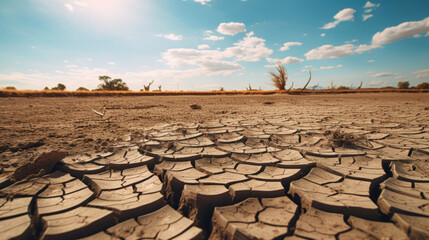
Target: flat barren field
point(334, 166)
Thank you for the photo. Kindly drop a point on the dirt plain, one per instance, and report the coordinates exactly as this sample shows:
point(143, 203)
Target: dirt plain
point(271, 155)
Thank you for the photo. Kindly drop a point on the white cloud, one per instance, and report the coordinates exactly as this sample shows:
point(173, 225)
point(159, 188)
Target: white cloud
point(371, 5)
point(323, 34)
point(72, 78)
point(305, 34)
point(384, 75)
point(249, 49)
point(171, 36)
point(422, 73)
point(213, 38)
point(224, 67)
point(371, 61)
point(343, 15)
point(66, 61)
point(352, 41)
point(306, 68)
point(86, 77)
point(366, 17)
point(286, 60)
point(331, 67)
point(378, 83)
point(203, 46)
point(329, 51)
point(111, 63)
point(286, 46)
point(231, 28)
point(69, 7)
point(203, 2)
point(81, 4)
point(401, 31)
point(364, 47)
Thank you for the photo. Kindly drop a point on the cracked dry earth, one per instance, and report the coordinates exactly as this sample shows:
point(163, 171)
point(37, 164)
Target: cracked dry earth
point(255, 177)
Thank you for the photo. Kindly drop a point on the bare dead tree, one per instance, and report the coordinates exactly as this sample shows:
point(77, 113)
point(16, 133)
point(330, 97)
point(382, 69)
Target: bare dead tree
point(309, 79)
point(332, 87)
point(147, 87)
point(159, 87)
point(290, 87)
point(360, 85)
point(249, 88)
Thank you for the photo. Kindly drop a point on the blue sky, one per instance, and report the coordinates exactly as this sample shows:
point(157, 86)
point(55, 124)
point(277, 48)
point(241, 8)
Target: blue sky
point(208, 44)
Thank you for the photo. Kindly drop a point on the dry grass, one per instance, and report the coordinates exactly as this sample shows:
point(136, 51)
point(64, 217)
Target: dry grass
point(52, 93)
point(339, 138)
point(279, 79)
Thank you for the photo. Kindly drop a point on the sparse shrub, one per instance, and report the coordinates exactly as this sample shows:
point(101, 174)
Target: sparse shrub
point(315, 86)
point(82, 89)
point(279, 79)
point(60, 87)
point(147, 87)
point(423, 85)
point(10, 88)
point(221, 89)
point(342, 88)
point(249, 88)
point(403, 85)
point(339, 138)
point(112, 85)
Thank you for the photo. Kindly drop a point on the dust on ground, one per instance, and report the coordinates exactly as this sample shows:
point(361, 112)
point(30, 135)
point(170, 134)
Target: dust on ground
point(31, 126)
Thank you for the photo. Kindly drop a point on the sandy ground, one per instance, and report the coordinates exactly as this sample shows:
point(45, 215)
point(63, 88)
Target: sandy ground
point(344, 166)
point(69, 124)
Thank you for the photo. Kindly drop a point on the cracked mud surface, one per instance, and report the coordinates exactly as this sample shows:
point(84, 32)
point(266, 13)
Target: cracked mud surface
point(266, 174)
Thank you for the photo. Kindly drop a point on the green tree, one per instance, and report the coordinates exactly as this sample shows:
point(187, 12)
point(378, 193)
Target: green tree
point(60, 87)
point(423, 85)
point(10, 88)
point(112, 85)
point(46, 88)
point(82, 89)
point(403, 85)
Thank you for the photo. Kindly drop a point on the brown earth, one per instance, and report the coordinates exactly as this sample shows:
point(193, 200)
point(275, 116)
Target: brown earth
point(258, 147)
point(69, 124)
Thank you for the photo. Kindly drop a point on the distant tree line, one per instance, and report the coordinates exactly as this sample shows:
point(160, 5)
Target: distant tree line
point(406, 85)
point(59, 87)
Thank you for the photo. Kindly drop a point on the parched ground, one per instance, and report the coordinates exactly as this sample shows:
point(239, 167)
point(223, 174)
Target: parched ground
point(344, 166)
